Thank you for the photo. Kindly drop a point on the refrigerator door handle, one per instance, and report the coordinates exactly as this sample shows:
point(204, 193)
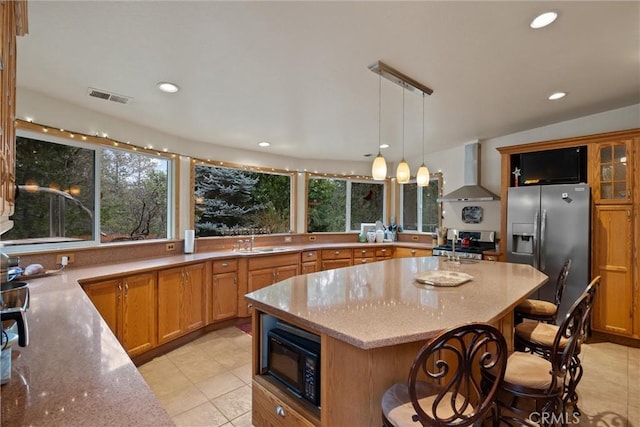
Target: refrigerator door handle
point(543, 233)
point(535, 240)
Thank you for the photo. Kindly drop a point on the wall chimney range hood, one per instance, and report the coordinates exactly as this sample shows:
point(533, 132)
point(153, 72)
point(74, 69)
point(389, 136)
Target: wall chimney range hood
point(471, 191)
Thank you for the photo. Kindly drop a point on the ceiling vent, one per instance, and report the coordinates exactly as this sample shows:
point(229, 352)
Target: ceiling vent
point(103, 94)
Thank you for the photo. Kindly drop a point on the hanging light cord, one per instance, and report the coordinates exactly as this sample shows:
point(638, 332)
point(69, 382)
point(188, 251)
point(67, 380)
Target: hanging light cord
point(379, 109)
point(423, 128)
point(403, 90)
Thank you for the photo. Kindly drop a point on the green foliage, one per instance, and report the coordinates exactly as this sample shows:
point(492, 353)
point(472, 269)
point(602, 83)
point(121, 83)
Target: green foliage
point(232, 200)
point(367, 200)
point(326, 205)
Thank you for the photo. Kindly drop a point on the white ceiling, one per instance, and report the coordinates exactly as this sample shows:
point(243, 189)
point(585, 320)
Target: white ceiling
point(295, 73)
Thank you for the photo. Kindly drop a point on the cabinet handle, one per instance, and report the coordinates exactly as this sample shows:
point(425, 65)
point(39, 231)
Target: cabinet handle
point(235, 279)
point(119, 290)
point(309, 253)
point(413, 251)
point(224, 264)
point(364, 261)
point(336, 253)
point(126, 289)
point(384, 250)
point(280, 411)
point(249, 306)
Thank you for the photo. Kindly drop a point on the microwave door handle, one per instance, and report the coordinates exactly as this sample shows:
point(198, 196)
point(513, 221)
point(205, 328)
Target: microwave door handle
point(543, 247)
point(535, 240)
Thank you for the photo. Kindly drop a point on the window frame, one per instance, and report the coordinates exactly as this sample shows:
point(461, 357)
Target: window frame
point(273, 171)
point(349, 181)
point(97, 144)
point(420, 204)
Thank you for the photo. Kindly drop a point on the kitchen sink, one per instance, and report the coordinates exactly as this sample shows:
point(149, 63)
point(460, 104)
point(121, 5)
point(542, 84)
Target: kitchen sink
point(263, 250)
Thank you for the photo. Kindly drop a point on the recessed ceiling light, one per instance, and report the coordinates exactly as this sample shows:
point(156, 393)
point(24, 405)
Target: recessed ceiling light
point(557, 95)
point(264, 144)
point(543, 20)
point(384, 145)
point(168, 87)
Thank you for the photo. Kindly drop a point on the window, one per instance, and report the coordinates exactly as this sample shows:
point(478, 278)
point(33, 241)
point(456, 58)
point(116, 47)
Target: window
point(333, 203)
point(420, 209)
point(58, 183)
point(233, 201)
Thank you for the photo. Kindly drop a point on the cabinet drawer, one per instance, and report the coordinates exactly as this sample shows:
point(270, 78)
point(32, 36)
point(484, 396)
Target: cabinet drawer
point(336, 253)
point(411, 252)
point(384, 252)
point(257, 262)
point(364, 253)
point(225, 265)
point(309, 256)
point(269, 410)
point(359, 260)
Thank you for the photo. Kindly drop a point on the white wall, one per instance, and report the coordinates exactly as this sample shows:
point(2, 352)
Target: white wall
point(53, 112)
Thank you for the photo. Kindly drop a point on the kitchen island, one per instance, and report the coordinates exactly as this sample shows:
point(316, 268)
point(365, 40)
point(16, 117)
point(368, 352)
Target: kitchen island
point(372, 319)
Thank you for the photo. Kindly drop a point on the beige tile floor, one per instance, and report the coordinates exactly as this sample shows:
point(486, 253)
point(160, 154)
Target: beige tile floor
point(208, 382)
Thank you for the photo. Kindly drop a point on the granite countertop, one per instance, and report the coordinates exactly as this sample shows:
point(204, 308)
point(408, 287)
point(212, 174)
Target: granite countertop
point(380, 304)
point(74, 371)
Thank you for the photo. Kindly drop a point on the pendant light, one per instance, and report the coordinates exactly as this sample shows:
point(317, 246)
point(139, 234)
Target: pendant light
point(422, 177)
point(403, 173)
point(379, 167)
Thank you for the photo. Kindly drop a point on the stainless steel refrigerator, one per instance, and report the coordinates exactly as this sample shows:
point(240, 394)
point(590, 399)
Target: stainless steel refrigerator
point(546, 224)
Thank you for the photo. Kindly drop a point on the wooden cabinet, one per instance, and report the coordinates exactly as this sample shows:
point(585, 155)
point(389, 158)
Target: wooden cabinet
point(269, 407)
point(224, 290)
point(13, 22)
point(181, 301)
point(411, 252)
point(128, 306)
point(613, 260)
point(309, 262)
point(336, 258)
point(364, 255)
point(612, 172)
point(267, 270)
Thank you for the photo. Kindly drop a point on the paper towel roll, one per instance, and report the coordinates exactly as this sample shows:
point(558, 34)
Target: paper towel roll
point(189, 241)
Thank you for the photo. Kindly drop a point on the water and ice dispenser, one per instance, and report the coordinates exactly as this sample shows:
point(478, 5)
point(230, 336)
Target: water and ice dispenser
point(522, 237)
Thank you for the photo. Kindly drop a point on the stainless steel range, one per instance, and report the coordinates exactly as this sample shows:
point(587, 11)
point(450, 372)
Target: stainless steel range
point(468, 244)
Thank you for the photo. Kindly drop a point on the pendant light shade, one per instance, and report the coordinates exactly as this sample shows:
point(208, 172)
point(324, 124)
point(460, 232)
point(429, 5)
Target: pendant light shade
point(403, 173)
point(379, 167)
point(422, 177)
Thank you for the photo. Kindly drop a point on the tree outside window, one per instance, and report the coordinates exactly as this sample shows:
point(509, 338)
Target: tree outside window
point(57, 194)
point(420, 209)
point(232, 201)
point(333, 203)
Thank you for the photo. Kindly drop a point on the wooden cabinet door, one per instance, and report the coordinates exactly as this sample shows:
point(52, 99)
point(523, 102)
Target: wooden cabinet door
point(106, 297)
point(224, 296)
point(258, 279)
point(286, 272)
point(309, 267)
point(612, 172)
point(139, 313)
point(194, 311)
point(170, 284)
point(613, 260)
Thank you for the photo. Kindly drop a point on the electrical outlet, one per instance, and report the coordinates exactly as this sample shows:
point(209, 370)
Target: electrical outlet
point(170, 247)
point(71, 258)
point(312, 238)
point(415, 238)
point(287, 239)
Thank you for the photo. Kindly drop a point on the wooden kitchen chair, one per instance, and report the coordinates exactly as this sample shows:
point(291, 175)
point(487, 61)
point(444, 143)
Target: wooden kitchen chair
point(544, 311)
point(445, 381)
point(537, 337)
point(533, 386)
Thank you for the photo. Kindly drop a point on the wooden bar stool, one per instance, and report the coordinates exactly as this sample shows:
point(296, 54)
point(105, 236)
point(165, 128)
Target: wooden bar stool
point(537, 337)
point(544, 311)
point(445, 381)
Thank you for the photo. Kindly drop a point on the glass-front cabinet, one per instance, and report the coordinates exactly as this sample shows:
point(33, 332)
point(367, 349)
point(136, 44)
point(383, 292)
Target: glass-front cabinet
point(613, 172)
